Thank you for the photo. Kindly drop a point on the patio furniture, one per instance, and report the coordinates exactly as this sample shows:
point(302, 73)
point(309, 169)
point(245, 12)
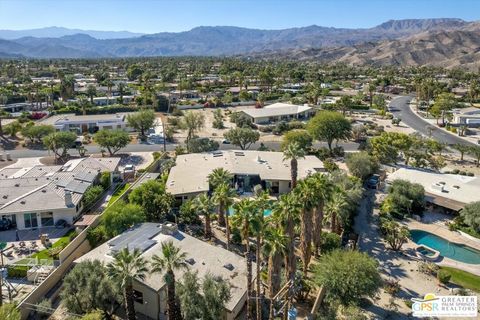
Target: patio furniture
point(22, 244)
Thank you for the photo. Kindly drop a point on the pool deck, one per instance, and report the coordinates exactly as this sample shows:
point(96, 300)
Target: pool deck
point(439, 228)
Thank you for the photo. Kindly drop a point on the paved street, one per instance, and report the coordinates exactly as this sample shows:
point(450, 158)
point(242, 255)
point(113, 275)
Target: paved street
point(143, 147)
point(400, 109)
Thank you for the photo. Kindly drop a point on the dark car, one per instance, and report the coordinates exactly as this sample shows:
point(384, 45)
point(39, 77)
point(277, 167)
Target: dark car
point(372, 183)
point(5, 224)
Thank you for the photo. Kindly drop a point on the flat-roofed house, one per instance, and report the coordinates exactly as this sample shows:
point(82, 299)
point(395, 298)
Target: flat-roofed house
point(469, 117)
point(189, 176)
point(279, 112)
point(40, 196)
point(201, 257)
point(87, 123)
point(449, 191)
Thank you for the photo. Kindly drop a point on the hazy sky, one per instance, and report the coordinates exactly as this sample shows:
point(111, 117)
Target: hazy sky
point(152, 16)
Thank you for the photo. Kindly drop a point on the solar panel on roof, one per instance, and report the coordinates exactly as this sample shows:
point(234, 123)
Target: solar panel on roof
point(138, 238)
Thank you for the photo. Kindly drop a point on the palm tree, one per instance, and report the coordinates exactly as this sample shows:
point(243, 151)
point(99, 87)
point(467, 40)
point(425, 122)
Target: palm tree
point(219, 176)
point(83, 102)
point(91, 92)
point(121, 91)
point(274, 247)
point(293, 152)
point(126, 267)
point(263, 203)
point(204, 206)
point(336, 210)
point(287, 210)
point(245, 218)
point(223, 198)
point(323, 189)
point(306, 195)
point(170, 261)
point(109, 83)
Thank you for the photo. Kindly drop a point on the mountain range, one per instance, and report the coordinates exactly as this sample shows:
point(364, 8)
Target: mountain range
point(447, 42)
point(56, 32)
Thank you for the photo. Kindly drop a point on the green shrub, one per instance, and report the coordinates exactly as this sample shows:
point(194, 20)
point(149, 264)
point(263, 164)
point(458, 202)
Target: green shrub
point(443, 276)
point(43, 309)
point(329, 242)
point(96, 236)
point(17, 271)
point(105, 180)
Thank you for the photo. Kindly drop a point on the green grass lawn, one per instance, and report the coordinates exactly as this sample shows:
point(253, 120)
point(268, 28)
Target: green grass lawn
point(118, 192)
point(463, 278)
point(60, 243)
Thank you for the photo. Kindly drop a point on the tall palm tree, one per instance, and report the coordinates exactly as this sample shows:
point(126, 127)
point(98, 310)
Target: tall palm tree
point(287, 210)
point(262, 203)
point(170, 261)
point(126, 267)
point(223, 198)
point(293, 151)
point(307, 197)
point(245, 218)
point(109, 83)
point(336, 210)
point(217, 177)
point(121, 91)
point(323, 189)
point(274, 247)
point(204, 206)
point(91, 92)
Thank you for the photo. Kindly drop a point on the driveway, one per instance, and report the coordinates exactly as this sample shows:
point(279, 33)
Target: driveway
point(399, 266)
point(400, 108)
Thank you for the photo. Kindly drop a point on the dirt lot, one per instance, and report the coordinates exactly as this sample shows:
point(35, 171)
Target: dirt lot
point(217, 134)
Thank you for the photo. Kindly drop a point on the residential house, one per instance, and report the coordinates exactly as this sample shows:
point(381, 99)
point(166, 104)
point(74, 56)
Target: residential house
point(449, 191)
point(279, 112)
point(189, 176)
point(87, 123)
point(469, 117)
point(42, 195)
point(201, 257)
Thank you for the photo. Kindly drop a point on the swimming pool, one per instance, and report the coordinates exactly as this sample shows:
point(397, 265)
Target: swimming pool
point(446, 248)
point(266, 212)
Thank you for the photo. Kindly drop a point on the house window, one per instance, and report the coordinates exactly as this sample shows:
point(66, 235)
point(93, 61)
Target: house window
point(30, 220)
point(138, 296)
point(46, 219)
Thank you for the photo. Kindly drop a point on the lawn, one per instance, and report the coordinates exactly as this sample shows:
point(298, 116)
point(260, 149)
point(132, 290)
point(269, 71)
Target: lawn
point(118, 192)
point(463, 278)
point(60, 243)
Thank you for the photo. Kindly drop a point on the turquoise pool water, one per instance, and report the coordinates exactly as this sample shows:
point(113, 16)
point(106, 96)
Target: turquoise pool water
point(446, 248)
point(266, 212)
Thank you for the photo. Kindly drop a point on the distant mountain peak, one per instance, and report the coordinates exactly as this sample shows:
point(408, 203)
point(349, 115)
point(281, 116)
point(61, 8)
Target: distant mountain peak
point(421, 24)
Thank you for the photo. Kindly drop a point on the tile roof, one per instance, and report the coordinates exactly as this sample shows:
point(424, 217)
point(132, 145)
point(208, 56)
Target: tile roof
point(205, 258)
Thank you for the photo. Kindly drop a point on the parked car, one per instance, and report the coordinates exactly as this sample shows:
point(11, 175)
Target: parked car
point(225, 141)
point(372, 183)
point(5, 224)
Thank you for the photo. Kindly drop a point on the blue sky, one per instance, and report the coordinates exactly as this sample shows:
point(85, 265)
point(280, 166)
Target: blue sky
point(152, 16)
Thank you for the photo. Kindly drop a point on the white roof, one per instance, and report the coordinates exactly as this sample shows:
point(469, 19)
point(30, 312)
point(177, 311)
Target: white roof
point(207, 259)
point(459, 188)
point(277, 109)
point(190, 174)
